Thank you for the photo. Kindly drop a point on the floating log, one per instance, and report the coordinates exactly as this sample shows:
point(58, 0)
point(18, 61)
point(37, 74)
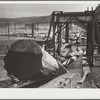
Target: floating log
point(26, 60)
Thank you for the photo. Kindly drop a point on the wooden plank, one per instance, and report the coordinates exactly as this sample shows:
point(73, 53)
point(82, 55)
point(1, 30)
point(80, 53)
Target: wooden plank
point(76, 66)
point(69, 80)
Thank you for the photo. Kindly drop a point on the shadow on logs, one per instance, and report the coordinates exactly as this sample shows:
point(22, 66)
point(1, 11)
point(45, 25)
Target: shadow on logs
point(26, 60)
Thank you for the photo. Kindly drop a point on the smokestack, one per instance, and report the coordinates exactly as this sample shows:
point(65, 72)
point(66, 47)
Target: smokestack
point(91, 8)
point(87, 8)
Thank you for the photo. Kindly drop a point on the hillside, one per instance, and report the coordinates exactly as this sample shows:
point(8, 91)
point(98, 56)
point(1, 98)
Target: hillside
point(34, 19)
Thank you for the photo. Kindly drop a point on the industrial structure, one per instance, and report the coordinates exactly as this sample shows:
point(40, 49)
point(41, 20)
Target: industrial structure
point(87, 19)
point(42, 66)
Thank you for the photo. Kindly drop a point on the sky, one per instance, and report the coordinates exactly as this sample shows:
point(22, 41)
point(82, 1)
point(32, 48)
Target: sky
point(27, 10)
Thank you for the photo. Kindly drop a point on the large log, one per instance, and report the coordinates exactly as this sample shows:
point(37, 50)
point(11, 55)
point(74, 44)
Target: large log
point(26, 60)
point(69, 80)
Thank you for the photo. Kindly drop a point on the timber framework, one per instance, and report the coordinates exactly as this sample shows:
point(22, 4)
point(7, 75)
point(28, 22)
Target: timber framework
point(87, 20)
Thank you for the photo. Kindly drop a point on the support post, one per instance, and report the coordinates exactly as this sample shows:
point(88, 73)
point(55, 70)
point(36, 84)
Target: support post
point(54, 40)
point(54, 27)
point(89, 48)
point(8, 31)
point(67, 32)
point(32, 30)
point(93, 34)
point(15, 27)
point(59, 40)
point(97, 35)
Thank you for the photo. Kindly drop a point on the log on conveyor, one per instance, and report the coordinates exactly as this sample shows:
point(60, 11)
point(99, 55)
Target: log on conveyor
point(69, 80)
point(26, 60)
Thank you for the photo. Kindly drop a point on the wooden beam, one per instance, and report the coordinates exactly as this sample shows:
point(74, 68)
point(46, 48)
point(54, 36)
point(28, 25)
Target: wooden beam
point(59, 40)
point(75, 14)
point(67, 32)
point(54, 40)
point(64, 25)
point(89, 46)
point(93, 34)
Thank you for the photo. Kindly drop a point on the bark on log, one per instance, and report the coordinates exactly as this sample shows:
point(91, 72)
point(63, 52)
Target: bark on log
point(69, 80)
point(27, 60)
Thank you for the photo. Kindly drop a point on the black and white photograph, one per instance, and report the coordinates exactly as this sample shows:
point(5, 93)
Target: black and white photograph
point(50, 45)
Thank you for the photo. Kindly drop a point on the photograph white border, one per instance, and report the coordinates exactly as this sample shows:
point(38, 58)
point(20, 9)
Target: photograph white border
point(36, 93)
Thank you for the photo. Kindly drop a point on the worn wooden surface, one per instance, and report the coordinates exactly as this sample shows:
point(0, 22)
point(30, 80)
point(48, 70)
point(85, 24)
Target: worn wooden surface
point(76, 66)
point(69, 80)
